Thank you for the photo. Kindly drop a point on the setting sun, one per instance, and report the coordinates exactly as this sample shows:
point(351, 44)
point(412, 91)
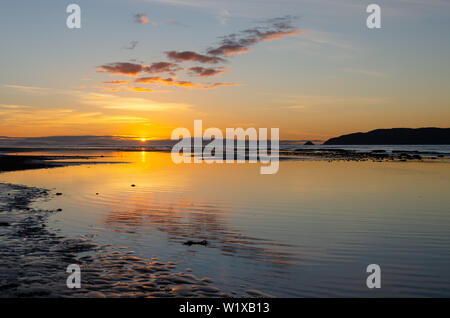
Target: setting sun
point(294, 152)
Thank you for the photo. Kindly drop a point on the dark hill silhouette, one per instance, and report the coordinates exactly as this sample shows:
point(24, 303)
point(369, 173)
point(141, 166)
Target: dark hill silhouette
point(395, 136)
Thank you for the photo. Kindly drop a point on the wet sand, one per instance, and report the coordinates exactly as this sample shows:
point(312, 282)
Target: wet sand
point(33, 260)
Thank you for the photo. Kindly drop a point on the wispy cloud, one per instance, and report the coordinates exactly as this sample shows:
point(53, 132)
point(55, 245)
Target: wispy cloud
point(29, 89)
point(117, 82)
point(184, 56)
point(206, 71)
point(141, 89)
point(327, 39)
point(238, 43)
point(132, 45)
point(173, 22)
point(108, 101)
point(13, 107)
point(229, 45)
point(102, 100)
point(134, 69)
point(310, 101)
point(162, 67)
point(124, 68)
point(156, 80)
point(186, 84)
point(224, 16)
point(141, 18)
point(51, 118)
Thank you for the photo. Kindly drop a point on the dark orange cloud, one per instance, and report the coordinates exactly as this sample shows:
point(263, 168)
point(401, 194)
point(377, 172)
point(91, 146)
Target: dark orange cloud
point(184, 56)
point(229, 45)
point(270, 36)
point(229, 50)
point(155, 80)
point(241, 42)
point(133, 69)
point(206, 72)
point(162, 67)
point(164, 81)
point(129, 69)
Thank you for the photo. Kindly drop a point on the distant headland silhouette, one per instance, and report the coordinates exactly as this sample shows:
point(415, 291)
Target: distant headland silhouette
point(395, 136)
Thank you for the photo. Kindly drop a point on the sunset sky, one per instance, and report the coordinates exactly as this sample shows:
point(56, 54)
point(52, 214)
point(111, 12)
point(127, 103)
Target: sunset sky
point(144, 67)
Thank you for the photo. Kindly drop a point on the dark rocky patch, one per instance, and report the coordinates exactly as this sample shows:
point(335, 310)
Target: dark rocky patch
point(395, 136)
point(190, 243)
point(26, 162)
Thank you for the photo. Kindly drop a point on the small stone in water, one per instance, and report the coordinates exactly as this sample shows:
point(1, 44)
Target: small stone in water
point(189, 243)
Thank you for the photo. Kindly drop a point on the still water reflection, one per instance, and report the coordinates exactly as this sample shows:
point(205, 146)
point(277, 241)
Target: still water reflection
point(309, 230)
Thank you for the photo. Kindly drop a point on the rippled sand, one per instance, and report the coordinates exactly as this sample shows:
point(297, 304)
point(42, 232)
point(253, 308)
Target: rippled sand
point(33, 260)
point(308, 231)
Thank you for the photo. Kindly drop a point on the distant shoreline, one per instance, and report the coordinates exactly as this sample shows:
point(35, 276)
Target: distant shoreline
point(395, 136)
point(10, 160)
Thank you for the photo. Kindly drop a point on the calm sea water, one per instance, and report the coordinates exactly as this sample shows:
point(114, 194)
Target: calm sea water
point(309, 230)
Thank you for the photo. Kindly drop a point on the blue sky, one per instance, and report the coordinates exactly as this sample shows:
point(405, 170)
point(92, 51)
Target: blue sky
point(335, 76)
